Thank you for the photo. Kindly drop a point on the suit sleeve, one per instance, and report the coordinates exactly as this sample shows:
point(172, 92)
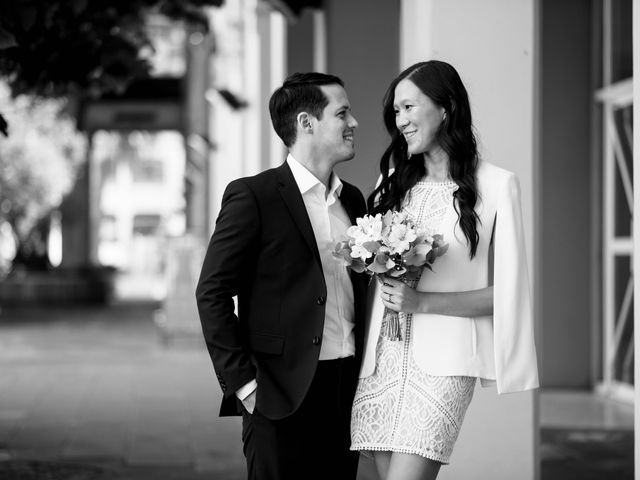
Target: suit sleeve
point(515, 355)
point(229, 260)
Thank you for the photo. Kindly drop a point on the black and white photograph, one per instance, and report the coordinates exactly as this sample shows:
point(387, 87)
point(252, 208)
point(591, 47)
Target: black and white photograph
point(319, 239)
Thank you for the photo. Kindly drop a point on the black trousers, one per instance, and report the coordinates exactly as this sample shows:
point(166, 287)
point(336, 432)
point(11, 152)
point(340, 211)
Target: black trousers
point(313, 442)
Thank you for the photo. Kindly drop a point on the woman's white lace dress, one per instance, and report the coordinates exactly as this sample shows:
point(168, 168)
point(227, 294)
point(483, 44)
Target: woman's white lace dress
point(401, 408)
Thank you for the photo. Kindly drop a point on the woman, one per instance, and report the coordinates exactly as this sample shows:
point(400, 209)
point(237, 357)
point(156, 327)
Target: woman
point(471, 317)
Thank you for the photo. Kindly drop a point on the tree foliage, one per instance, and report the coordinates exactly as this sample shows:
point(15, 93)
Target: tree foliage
point(54, 48)
point(38, 164)
point(51, 50)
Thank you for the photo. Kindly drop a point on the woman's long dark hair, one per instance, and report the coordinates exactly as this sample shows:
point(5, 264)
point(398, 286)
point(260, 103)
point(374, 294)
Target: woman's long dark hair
point(441, 83)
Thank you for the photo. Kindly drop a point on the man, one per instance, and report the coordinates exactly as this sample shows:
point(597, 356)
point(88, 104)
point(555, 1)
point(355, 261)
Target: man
point(289, 360)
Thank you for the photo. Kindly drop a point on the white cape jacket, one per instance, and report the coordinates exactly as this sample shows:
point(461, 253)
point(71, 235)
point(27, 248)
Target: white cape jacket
point(498, 349)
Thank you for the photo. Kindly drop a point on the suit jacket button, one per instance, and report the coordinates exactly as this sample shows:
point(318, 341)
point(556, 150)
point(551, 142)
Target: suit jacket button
point(321, 300)
point(316, 340)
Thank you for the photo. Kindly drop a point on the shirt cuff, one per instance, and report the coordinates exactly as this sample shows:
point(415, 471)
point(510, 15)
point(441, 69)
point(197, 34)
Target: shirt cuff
point(246, 390)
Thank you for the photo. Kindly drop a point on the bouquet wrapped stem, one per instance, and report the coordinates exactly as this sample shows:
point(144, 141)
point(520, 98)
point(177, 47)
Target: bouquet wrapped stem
point(391, 326)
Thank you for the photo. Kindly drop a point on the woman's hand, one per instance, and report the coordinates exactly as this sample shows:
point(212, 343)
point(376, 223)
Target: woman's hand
point(398, 296)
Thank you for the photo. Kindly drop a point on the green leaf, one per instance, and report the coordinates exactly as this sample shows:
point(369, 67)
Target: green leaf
point(7, 40)
point(430, 257)
point(422, 248)
point(441, 250)
point(379, 265)
point(79, 6)
point(357, 266)
point(28, 17)
point(416, 260)
point(372, 246)
point(413, 273)
point(343, 255)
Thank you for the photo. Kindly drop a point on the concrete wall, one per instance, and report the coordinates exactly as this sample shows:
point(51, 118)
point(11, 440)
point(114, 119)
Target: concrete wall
point(300, 43)
point(363, 49)
point(250, 61)
point(566, 104)
point(493, 45)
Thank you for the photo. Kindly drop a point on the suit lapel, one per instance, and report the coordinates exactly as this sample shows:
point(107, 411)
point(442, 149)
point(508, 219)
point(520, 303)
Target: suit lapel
point(347, 204)
point(293, 200)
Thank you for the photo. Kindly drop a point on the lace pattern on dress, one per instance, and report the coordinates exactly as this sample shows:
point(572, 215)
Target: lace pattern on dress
point(427, 202)
point(400, 408)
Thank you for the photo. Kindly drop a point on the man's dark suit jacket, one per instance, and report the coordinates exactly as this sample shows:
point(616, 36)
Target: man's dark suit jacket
point(264, 251)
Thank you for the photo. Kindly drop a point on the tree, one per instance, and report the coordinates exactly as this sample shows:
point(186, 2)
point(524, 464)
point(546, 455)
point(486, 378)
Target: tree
point(51, 50)
point(38, 164)
point(55, 48)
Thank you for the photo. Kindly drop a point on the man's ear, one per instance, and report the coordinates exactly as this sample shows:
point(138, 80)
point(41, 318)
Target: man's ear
point(305, 122)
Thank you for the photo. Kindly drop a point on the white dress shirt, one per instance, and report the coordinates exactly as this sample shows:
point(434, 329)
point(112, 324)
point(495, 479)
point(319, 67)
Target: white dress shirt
point(329, 221)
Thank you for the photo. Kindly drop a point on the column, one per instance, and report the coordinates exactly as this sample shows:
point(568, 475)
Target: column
point(196, 132)
point(493, 45)
point(76, 218)
point(364, 50)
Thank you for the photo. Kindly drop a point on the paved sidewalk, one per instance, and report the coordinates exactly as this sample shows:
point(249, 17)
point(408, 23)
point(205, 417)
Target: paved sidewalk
point(92, 393)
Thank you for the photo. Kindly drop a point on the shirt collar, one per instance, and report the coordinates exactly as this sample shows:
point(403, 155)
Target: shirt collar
point(307, 180)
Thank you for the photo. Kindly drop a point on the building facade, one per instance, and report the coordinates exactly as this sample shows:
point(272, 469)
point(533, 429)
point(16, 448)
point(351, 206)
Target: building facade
point(551, 88)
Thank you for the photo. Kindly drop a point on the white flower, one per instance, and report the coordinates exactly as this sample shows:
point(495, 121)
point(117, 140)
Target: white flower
point(389, 244)
point(400, 238)
point(368, 229)
point(400, 217)
point(358, 251)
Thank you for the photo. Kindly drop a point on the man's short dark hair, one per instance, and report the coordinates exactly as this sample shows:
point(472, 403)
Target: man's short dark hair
point(300, 92)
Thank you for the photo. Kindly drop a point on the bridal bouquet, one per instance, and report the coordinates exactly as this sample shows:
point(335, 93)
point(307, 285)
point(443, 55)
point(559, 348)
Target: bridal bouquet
point(389, 244)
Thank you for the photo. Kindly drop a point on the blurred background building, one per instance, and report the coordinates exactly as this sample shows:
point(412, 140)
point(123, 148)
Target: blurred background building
point(551, 87)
